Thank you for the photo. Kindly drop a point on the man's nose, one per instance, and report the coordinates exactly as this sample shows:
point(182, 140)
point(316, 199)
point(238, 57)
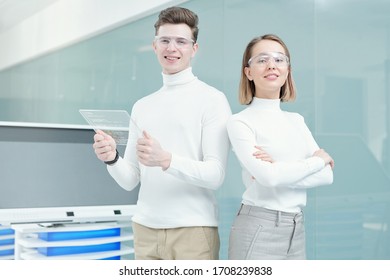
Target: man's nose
point(171, 45)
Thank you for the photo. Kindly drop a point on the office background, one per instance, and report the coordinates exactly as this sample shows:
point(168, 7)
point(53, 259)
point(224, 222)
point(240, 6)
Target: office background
point(340, 56)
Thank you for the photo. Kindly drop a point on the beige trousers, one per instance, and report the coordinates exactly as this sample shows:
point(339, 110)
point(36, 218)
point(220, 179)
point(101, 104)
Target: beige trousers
point(186, 243)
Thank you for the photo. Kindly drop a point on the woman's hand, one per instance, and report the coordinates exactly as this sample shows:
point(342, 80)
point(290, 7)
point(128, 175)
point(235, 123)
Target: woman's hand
point(261, 154)
point(325, 156)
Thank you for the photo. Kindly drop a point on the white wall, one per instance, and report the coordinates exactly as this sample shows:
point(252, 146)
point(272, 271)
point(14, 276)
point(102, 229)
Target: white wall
point(68, 21)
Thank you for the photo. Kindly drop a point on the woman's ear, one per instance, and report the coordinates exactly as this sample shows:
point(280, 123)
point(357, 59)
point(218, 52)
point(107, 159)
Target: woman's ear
point(247, 71)
point(288, 72)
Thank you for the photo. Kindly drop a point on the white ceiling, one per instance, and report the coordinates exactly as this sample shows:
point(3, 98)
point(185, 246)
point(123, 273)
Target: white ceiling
point(14, 11)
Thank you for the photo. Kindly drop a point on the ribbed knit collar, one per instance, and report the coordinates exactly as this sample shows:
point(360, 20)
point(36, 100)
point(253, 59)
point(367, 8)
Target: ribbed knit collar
point(179, 78)
point(266, 104)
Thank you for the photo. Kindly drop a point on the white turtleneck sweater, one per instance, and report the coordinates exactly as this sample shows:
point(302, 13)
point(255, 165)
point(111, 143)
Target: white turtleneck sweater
point(188, 118)
point(280, 185)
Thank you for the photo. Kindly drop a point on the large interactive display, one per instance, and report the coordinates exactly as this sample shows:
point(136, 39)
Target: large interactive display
point(51, 174)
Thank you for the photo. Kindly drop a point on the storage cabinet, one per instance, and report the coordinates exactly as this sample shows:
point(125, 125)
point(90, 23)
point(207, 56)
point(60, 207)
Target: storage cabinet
point(108, 240)
point(7, 246)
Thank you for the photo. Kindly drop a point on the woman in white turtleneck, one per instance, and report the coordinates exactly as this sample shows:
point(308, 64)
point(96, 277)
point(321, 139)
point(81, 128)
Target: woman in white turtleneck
point(279, 157)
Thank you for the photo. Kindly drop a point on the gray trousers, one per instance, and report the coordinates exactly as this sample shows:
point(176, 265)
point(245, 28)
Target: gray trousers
point(262, 234)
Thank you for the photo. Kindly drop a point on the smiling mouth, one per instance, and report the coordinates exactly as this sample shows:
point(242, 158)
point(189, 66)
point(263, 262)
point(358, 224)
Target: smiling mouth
point(271, 76)
point(171, 57)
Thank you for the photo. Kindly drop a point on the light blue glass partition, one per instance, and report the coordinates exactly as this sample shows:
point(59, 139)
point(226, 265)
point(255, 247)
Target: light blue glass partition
point(341, 64)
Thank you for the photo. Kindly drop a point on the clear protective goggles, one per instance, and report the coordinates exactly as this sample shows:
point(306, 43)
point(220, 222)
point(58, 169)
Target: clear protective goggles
point(178, 42)
point(263, 59)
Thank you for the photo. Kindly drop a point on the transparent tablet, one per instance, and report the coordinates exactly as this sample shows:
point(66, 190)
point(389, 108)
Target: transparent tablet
point(112, 122)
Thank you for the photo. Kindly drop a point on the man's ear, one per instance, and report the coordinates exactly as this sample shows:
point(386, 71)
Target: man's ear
point(154, 46)
point(195, 48)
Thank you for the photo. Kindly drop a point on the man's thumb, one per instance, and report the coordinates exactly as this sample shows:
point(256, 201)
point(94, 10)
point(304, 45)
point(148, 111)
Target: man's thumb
point(146, 135)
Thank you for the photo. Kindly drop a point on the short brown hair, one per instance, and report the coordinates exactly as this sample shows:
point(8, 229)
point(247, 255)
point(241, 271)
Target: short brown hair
point(247, 88)
point(177, 15)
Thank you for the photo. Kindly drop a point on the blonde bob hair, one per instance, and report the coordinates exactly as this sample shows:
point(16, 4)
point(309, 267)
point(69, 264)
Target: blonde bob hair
point(247, 88)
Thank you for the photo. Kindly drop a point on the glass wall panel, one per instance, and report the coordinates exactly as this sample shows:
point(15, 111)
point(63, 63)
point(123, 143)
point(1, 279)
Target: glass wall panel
point(350, 219)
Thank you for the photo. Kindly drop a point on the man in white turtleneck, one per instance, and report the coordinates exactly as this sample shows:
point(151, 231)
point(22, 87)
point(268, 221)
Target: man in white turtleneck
point(177, 150)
